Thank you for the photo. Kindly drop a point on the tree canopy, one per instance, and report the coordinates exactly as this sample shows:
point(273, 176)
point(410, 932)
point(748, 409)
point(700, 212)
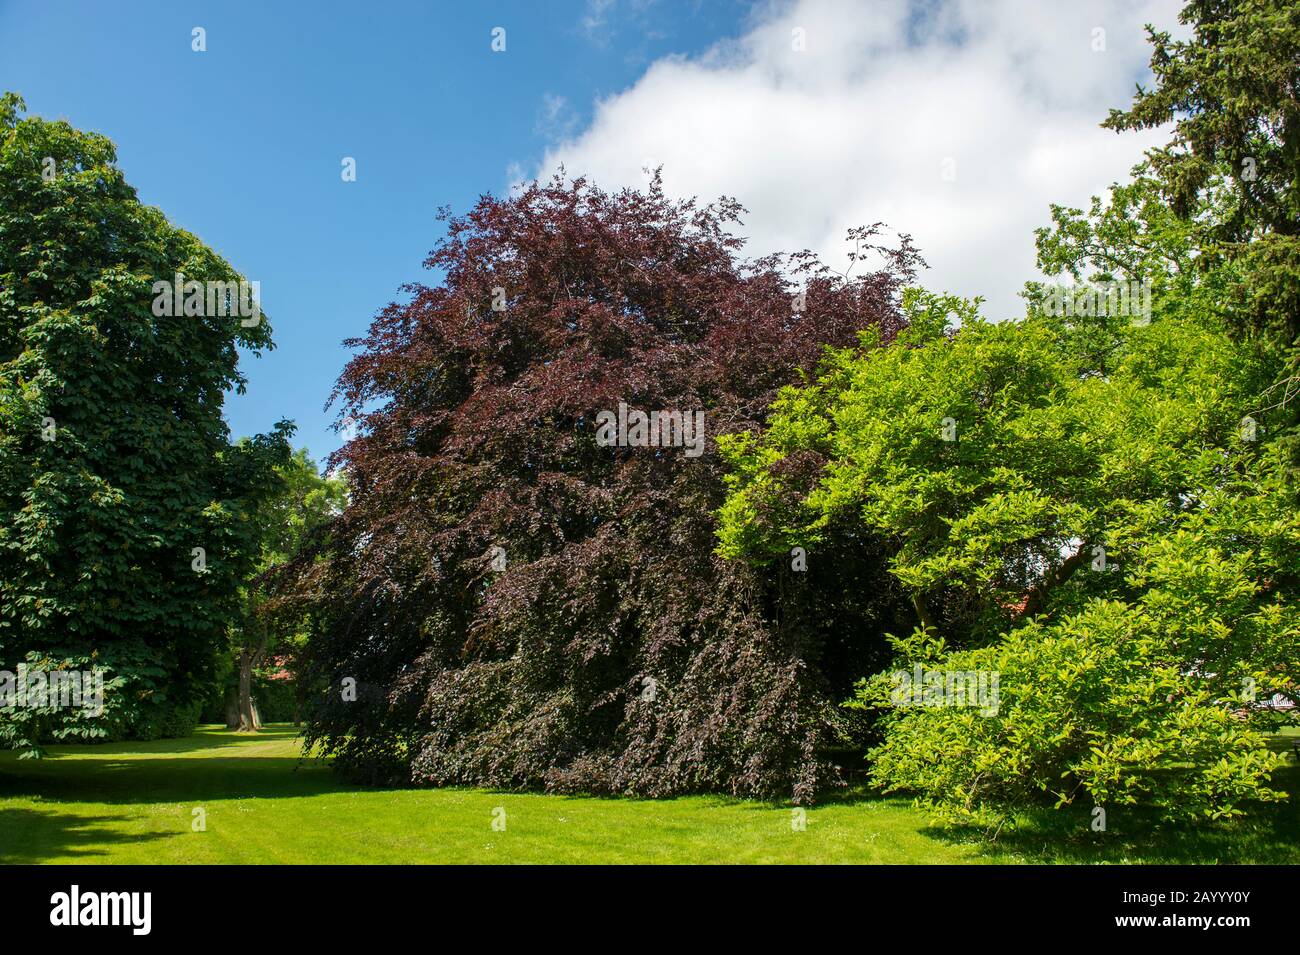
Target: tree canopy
point(125, 512)
point(1093, 509)
point(519, 604)
point(1232, 91)
point(1085, 510)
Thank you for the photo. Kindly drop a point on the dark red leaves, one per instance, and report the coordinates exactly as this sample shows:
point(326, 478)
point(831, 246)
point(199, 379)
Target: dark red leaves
point(614, 652)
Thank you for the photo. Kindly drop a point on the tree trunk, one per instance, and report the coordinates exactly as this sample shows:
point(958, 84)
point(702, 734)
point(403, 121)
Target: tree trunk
point(249, 722)
point(232, 710)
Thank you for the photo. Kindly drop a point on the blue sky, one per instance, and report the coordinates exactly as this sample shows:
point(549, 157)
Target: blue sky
point(957, 121)
point(242, 144)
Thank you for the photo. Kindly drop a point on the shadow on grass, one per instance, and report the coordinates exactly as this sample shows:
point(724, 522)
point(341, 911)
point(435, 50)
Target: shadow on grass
point(192, 771)
point(31, 835)
point(1269, 833)
point(176, 779)
point(173, 770)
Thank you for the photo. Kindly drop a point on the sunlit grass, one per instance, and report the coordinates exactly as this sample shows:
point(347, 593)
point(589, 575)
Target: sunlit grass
point(134, 803)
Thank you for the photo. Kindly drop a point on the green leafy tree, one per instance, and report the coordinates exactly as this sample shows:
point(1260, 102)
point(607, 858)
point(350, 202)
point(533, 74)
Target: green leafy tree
point(126, 524)
point(300, 502)
point(1135, 236)
point(1232, 91)
point(1089, 493)
point(994, 459)
point(1149, 697)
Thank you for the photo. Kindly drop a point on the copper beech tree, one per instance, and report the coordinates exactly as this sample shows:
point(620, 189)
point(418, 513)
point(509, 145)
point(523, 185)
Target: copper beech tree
point(508, 601)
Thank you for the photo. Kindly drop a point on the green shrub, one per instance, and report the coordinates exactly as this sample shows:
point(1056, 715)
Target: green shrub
point(1095, 708)
point(166, 721)
point(1145, 700)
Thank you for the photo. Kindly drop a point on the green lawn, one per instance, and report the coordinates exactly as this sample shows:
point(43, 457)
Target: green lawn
point(133, 803)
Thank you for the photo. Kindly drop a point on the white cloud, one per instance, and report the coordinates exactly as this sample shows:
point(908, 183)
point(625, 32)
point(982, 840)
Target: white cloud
point(555, 120)
point(856, 128)
point(593, 19)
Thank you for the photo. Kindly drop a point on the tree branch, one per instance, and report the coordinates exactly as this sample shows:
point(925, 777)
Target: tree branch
point(1036, 598)
point(923, 613)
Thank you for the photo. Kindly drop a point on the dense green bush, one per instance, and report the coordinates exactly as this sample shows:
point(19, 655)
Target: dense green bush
point(1150, 699)
point(1101, 525)
point(167, 722)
